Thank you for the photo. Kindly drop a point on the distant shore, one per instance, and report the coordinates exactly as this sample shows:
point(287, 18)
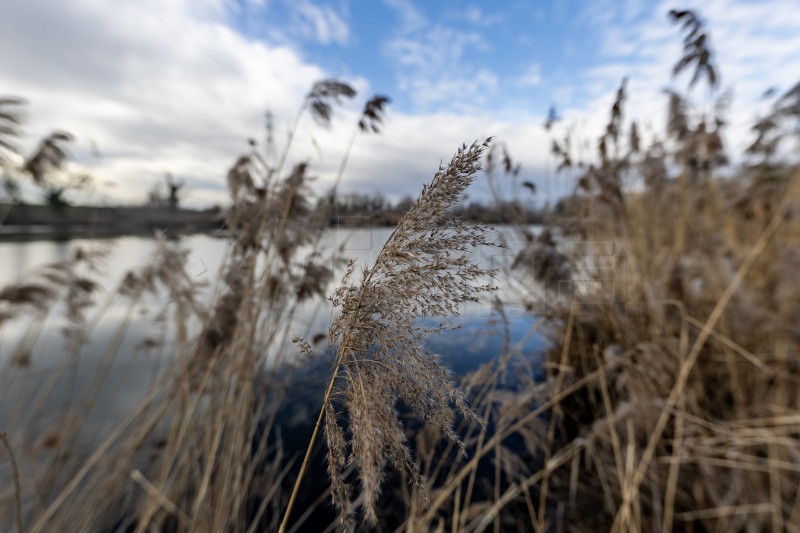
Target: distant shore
point(26, 221)
point(23, 221)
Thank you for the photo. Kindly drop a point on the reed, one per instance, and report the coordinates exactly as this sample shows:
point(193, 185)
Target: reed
point(669, 399)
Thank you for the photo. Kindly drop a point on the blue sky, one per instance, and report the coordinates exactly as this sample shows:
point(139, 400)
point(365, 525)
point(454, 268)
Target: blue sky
point(180, 85)
point(438, 55)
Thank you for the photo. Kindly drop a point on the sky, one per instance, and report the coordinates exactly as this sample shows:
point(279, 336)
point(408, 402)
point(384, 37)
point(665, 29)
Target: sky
point(179, 86)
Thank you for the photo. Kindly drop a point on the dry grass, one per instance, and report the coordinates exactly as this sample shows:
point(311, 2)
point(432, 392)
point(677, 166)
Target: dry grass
point(424, 270)
point(199, 451)
point(670, 400)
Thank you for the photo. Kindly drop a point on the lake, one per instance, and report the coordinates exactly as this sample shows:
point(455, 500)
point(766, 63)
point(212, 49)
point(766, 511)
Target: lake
point(44, 385)
point(112, 373)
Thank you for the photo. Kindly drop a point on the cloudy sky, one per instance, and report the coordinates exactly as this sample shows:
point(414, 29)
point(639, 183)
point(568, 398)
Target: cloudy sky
point(155, 86)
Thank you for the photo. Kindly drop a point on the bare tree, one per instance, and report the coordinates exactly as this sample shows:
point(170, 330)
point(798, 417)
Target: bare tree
point(174, 187)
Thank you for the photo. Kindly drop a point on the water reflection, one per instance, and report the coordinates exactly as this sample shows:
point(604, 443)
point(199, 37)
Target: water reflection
point(112, 372)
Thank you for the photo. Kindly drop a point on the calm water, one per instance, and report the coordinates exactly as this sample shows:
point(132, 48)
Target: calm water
point(112, 385)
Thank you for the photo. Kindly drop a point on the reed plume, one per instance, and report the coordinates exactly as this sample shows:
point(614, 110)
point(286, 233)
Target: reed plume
point(325, 93)
point(695, 48)
point(49, 156)
point(10, 124)
point(424, 270)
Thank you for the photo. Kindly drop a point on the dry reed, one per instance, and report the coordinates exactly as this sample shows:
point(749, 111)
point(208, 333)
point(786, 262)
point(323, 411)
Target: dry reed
point(670, 400)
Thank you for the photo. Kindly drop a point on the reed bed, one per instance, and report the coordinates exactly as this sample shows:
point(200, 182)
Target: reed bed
point(670, 392)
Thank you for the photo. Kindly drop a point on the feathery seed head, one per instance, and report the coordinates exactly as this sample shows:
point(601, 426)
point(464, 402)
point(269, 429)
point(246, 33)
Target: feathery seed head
point(425, 269)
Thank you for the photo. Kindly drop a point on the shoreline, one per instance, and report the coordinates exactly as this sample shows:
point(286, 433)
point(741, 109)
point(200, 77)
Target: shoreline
point(23, 222)
point(33, 222)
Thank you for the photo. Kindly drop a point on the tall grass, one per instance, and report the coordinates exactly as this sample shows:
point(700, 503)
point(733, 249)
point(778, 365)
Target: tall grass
point(423, 270)
point(670, 399)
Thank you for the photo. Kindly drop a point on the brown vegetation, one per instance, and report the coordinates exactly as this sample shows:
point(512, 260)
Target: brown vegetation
point(671, 393)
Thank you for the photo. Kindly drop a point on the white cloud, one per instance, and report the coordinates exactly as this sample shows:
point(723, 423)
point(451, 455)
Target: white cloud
point(169, 86)
point(433, 61)
point(452, 90)
point(411, 18)
point(180, 91)
point(434, 49)
point(322, 23)
point(755, 47)
point(158, 85)
point(532, 76)
point(411, 148)
point(476, 16)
